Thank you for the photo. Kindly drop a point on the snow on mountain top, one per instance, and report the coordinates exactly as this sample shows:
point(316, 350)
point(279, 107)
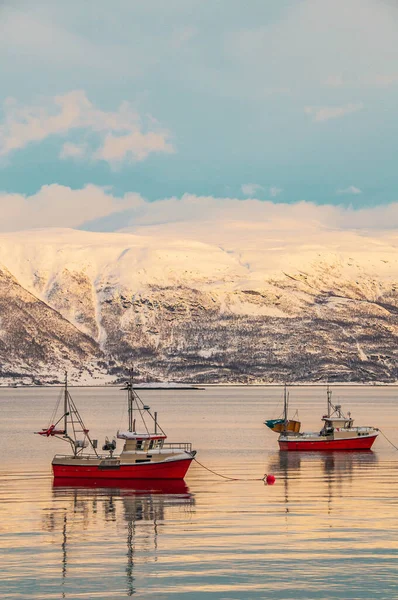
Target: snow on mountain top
point(223, 254)
point(121, 258)
point(192, 301)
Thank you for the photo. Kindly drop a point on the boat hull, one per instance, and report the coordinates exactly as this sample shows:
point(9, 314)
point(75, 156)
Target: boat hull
point(295, 444)
point(175, 469)
point(137, 486)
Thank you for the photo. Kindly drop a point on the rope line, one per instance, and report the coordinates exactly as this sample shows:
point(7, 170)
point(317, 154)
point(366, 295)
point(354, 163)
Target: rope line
point(230, 478)
point(389, 441)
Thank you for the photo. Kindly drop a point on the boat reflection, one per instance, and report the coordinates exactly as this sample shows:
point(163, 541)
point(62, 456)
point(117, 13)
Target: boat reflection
point(85, 505)
point(335, 472)
point(139, 486)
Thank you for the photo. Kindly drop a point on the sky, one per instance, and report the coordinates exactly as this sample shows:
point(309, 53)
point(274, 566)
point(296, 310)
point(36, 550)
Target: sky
point(117, 112)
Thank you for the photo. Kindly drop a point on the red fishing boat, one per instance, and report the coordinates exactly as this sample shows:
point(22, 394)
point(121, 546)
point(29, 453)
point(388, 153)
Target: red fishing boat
point(337, 433)
point(145, 454)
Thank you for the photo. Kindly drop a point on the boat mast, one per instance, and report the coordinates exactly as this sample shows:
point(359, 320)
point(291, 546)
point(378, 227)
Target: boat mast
point(130, 400)
point(66, 404)
point(329, 400)
point(285, 405)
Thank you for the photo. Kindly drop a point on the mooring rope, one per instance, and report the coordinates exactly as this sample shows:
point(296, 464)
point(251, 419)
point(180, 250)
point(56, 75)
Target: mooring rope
point(389, 441)
point(231, 478)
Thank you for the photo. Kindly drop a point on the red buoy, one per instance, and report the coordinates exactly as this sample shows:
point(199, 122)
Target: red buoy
point(270, 479)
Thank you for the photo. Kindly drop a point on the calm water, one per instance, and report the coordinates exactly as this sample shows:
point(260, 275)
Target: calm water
point(328, 528)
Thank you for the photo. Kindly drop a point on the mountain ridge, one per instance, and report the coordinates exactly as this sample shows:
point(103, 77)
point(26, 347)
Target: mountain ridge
point(189, 310)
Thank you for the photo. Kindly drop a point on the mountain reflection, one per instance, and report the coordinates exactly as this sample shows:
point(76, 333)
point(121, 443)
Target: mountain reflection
point(140, 509)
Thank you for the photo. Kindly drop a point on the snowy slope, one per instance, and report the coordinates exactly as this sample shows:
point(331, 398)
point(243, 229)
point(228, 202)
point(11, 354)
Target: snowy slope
point(244, 302)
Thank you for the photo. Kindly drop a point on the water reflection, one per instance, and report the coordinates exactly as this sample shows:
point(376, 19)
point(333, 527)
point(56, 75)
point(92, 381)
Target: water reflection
point(92, 505)
point(328, 528)
point(333, 472)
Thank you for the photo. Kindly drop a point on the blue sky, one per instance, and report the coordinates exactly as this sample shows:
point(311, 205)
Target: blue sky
point(284, 101)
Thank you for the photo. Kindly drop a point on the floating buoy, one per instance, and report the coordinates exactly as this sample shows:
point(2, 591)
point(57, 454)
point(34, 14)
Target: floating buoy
point(270, 479)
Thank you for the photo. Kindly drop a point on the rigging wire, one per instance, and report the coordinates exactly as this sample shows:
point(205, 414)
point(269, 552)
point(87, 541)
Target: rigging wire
point(138, 398)
point(278, 410)
point(140, 411)
point(53, 415)
point(122, 415)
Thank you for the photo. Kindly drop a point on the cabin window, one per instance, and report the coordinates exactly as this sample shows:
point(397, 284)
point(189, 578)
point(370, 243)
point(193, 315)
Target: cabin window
point(151, 443)
point(138, 445)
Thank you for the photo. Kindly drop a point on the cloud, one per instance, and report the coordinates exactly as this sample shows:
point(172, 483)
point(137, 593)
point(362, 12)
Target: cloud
point(70, 150)
point(325, 113)
point(60, 206)
point(251, 189)
point(201, 216)
point(334, 81)
point(303, 40)
point(275, 191)
point(351, 189)
point(385, 79)
point(182, 36)
point(376, 80)
point(115, 137)
point(136, 144)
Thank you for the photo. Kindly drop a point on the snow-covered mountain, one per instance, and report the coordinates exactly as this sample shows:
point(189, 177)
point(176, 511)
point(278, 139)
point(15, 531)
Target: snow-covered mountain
point(256, 305)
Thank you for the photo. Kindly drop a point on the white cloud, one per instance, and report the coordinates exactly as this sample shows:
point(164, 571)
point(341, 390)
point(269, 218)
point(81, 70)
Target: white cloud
point(70, 150)
point(351, 189)
point(376, 80)
point(60, 206)
point(115, 136)
point(325, 113)
point(275, 191)
point(201, 216)
point(251, 189)
point(385, 79)
point(136, 145)
point(303, 43)
point(334, 81)
point(182, 36)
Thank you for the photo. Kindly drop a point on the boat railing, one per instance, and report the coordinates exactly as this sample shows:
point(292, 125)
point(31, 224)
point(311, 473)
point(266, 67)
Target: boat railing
point(187, 446)
point(81, 456)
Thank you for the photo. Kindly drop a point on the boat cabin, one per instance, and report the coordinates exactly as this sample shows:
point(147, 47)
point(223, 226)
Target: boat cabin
point(141, 441)
point(337, 423)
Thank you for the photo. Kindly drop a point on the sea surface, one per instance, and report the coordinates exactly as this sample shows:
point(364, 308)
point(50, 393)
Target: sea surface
point(327, 528)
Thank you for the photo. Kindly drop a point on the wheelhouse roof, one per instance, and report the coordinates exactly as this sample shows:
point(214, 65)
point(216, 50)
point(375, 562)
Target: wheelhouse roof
point(341, 419)
point(132, 435)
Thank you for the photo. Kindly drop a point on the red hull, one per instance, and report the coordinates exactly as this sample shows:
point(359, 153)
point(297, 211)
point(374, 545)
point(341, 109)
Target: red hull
point(168, 470)
point(360, 443)
point(138, 486)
